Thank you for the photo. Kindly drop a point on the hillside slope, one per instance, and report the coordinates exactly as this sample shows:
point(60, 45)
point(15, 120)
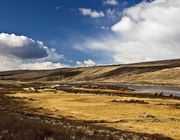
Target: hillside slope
point(165, 72)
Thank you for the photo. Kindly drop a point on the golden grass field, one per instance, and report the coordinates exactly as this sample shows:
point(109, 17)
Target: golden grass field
point(33, 99)
point(157, 116)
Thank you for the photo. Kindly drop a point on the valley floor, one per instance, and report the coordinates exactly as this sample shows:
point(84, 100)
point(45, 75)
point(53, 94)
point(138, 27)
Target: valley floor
point(153, 118)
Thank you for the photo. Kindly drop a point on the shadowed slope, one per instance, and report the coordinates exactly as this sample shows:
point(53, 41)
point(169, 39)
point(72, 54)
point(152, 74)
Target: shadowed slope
point(160, 71)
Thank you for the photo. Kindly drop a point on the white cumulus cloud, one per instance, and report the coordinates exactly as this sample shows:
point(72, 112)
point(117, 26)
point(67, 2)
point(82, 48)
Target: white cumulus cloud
point(147, 31)
point(22, 46)
point(41, 65)
point(91, 13)
point(86, 63)
point(21, 52)
point(111, 2)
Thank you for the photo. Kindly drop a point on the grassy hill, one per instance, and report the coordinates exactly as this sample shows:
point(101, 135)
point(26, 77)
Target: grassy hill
point(94, 112)
point(165, 72)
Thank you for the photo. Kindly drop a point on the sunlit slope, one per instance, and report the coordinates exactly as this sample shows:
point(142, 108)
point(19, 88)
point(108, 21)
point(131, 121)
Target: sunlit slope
point(167, 71)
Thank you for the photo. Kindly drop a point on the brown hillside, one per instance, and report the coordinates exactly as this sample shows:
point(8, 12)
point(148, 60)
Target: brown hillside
point(159, 72)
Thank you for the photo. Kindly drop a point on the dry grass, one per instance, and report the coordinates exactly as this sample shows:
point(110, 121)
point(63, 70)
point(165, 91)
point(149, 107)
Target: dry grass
point(20, 122)
point(160, 116)
point(150, 73)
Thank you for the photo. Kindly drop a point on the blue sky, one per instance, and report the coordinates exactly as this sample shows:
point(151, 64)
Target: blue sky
point(57, 23)
point(68, 26)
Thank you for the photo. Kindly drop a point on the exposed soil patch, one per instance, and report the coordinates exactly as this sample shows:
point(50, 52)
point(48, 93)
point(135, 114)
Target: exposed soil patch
point(130, 101)
point(177, 106)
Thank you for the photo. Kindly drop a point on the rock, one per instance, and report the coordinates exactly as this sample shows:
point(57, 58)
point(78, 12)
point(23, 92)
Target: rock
point(145, 115)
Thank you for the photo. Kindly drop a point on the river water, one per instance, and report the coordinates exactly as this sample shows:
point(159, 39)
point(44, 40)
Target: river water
point(167, 91)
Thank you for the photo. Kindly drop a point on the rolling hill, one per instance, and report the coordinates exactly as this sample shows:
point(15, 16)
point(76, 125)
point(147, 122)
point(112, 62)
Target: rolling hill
point(166, 72)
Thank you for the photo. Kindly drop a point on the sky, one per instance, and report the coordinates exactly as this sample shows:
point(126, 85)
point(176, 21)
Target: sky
point(49, 34)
